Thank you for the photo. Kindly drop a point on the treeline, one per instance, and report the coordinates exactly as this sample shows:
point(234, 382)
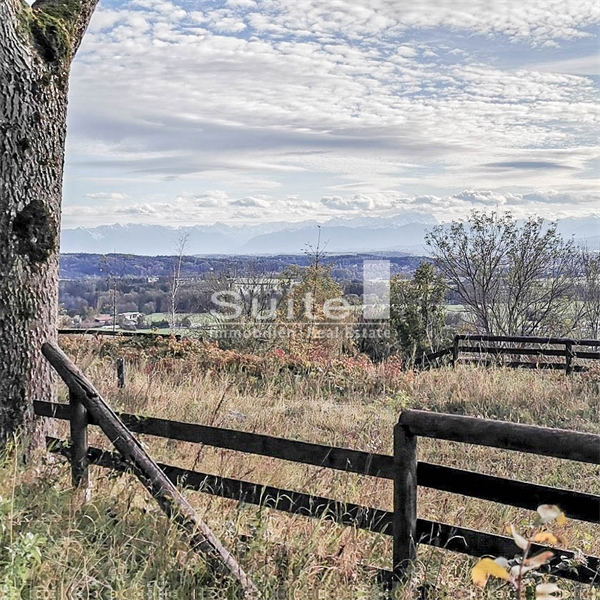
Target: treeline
point(93, 284)
point(87, 297)
point(92, 296)
point(347, 266)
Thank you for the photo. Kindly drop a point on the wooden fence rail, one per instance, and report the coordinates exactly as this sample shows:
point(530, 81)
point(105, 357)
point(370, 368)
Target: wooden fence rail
point(441, 535)
point(556, 443)
point(581, 506)
point(407, 473)
point(486, 350)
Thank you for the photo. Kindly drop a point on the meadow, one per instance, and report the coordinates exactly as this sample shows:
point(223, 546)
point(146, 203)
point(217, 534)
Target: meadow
point(120, 545)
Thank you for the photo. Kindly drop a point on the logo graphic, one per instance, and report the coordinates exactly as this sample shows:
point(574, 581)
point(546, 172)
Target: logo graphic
point(266, 312)
point(376, 289)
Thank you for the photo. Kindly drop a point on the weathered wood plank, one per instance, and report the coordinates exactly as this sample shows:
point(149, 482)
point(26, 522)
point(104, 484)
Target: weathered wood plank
point(457, 539)
point(455, 351)
point(53, 410)
point(526, 339)
point(345, 513)
point(121, 372)
point(429, 357)
point(353, 461)
point(577, 505)
point(568, 358)
point(405, 501)
point(586, 355)
point(516, 351)
point(559, 443)
point(173, 503)
point(79, 442)
point(558, 366)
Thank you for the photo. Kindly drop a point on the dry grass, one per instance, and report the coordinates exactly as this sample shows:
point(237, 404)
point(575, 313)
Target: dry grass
point(293, 556)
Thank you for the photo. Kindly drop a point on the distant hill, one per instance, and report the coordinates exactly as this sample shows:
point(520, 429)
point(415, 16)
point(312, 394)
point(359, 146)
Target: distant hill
point(345, 235)
point(123, 266)
point(585, 230)
point(149, 240)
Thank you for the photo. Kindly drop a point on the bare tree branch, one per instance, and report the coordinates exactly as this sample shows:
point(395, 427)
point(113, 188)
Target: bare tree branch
point(516, 280)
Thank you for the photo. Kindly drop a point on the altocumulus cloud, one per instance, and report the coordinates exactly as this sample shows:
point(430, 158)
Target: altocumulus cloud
point(394, 105)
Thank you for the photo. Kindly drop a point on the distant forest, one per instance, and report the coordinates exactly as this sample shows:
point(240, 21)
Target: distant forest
point(343, 266)
point(93, 283)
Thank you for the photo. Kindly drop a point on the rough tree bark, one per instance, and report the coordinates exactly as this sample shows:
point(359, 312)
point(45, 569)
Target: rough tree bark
point(37, 46)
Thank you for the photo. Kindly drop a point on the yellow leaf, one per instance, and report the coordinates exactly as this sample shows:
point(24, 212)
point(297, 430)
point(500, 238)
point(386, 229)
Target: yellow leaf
point(545, 537)
point(519, 539)
point(486, 568)
point(551, 512)
point(539, 559)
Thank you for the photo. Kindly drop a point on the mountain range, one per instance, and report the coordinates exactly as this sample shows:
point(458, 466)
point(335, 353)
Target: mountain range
point(399, 233)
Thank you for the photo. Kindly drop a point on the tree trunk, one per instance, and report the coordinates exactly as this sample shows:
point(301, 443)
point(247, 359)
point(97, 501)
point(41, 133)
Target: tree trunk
point(36, 49)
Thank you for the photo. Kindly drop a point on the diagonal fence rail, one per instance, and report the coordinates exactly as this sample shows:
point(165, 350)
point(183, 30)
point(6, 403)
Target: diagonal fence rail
point(84, 401)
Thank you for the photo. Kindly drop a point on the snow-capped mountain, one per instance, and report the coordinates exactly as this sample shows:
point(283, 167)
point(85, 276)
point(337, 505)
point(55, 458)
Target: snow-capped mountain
point(399, 233)
point(340, 235)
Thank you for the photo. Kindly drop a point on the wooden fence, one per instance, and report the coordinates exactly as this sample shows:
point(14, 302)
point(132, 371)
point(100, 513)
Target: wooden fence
point(485, 350)
point(403, 524)
point(517, 352)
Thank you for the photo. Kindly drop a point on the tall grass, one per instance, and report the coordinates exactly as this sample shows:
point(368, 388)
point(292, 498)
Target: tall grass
point(120, 541)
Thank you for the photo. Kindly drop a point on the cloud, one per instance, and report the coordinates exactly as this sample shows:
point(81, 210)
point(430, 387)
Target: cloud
point(111, 196)
point(383, 201)
point(358, 106)
point(554, 197)
point(580, 65)
point(536, 21)
point(485, 197)
point(215, 205)
point(208, 199)
point(354, 203)
point(527, 164)
point(252, 201)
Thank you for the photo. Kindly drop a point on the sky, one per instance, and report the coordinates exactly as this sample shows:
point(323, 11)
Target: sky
point(251, 111)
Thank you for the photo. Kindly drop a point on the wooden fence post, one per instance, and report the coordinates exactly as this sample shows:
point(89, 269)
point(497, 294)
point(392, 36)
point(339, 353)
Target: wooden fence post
point(121, 372)
point(454, 351)
point(568, 357)
point(79, 443)
point(405, 500)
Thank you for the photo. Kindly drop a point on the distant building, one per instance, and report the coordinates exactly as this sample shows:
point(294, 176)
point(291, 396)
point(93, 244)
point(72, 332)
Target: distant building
point(128, 320)
point(102, 320)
